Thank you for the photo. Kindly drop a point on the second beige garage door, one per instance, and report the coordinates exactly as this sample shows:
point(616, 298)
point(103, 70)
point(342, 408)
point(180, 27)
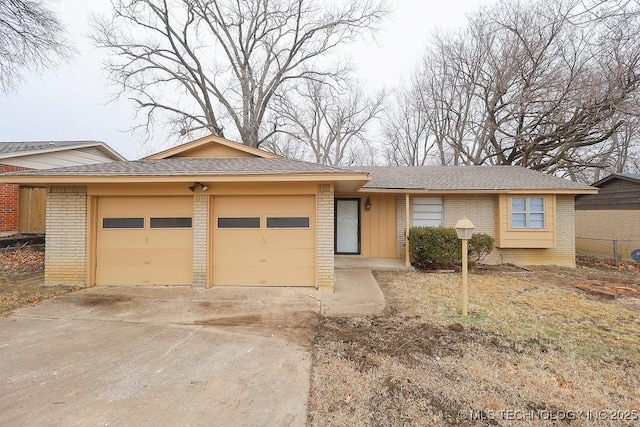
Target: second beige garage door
point(144, 241)
point(264, 240)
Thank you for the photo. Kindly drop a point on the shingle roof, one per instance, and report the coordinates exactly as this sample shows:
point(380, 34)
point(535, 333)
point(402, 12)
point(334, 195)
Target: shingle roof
point(460, 178)
point(183, 166)
point(17, 147)
point(633, 177)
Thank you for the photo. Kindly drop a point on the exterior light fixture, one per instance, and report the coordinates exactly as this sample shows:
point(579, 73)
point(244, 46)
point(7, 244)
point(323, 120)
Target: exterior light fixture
point(464, 229)
point(367, 205)
point(196, 185)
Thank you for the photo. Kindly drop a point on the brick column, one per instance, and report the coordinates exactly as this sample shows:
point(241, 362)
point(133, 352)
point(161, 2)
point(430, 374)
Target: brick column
point(10, 202)
point(325, 246)
point(200, 240)
point(66, 238)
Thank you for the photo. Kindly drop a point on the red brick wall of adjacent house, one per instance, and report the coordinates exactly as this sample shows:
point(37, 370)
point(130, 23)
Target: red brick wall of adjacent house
point(9, 202)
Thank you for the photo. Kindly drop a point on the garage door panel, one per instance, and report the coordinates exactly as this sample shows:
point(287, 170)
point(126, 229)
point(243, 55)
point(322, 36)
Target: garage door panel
point(144, 275)
point(281, 258)
point(264, 256)
point(291, 276)
point(143, 257)
point(254, 240)
point(144, 240)
point(146, 256)
point(114, 239)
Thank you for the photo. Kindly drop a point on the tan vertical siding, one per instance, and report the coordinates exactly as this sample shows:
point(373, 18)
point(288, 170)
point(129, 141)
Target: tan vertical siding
point(379, 227)
point(401, 226)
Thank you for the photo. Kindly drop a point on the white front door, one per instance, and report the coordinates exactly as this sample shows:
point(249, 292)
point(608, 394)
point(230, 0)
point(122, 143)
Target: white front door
point(348, 226)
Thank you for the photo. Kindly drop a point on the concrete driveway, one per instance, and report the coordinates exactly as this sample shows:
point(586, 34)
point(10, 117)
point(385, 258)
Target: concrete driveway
point(169, 356)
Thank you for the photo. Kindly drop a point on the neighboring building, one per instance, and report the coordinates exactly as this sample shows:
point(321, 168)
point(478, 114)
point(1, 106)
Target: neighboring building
point(215, 212)
point(611, 215)
point(22, 209)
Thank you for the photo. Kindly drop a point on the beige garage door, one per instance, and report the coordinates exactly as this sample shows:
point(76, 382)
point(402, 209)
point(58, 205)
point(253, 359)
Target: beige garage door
point(264, 240)
point(144, 241)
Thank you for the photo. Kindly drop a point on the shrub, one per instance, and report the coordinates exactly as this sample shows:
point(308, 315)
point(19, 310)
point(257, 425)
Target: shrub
point(480, 245)
point(434, 247)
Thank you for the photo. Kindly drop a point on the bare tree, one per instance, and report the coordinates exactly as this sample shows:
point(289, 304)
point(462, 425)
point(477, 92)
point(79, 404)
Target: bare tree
point(31, 38)
point(203, 64)
point(330, 123)
point(407, 135)
point(532, 85)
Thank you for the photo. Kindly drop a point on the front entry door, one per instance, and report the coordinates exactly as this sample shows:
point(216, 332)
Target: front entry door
point(348, 226)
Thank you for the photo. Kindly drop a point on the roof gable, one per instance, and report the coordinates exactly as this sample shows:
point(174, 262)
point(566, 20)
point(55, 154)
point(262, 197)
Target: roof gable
point(212, 146)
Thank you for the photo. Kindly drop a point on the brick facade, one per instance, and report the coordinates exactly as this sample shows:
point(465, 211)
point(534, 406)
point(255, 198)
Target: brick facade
point(66, 243)
point(200, 240)
point(325, 275)
point(480, 209)
point(596, 230)
point(10, 202)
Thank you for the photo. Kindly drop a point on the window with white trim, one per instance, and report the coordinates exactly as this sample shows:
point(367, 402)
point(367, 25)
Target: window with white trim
point(527, 212)
point(427, 212)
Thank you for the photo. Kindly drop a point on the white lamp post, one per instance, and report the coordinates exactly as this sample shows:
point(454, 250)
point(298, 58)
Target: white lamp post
point(464, 228)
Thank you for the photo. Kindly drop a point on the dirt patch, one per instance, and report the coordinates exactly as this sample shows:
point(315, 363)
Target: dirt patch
point(101, 300)
point(244, 320)
point(533, 346)
point(411, 341)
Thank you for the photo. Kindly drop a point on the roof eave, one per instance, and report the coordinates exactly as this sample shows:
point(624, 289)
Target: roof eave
point(615, 176)
point(100, 145)
point(358, 179)
point(485, 191)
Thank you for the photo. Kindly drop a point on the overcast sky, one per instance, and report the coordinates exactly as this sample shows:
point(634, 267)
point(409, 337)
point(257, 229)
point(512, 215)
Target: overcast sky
point(72, 102)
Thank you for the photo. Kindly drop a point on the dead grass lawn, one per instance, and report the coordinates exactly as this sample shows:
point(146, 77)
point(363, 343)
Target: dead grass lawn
point(22, 280)
point(532, 342)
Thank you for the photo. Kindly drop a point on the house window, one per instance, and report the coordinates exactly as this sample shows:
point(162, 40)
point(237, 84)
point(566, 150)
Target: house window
point(527, 212)
point(427, 211)
point(170, 223)
point(252, 222)
point(122, 222)
point(287, 222)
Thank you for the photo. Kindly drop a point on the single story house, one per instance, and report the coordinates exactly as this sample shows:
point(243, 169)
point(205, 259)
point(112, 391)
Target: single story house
point(22, 209)
point(610, 219)
point(214, 212)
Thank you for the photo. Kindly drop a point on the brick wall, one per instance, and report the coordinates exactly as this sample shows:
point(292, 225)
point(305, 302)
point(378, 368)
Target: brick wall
point(596, 230)
point(9, 202)
point(65, 251)
point(325, 246)
point(480, 210)
point(200, 240)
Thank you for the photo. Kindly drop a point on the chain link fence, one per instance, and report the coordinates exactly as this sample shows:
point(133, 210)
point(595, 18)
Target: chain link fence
point(611, 249)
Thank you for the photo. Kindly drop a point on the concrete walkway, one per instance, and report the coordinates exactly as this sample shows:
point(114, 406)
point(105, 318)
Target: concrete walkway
point(356, 294)
point(171, 355)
